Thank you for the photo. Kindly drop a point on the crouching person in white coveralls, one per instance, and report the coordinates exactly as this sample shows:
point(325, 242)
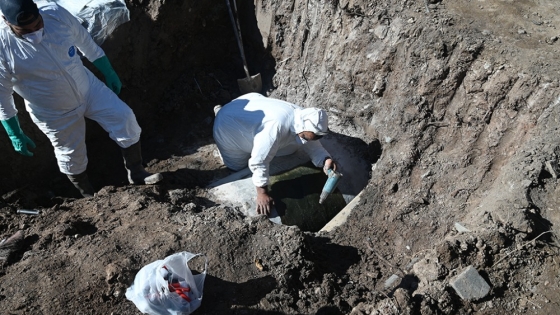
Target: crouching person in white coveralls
point(39, 60)
point(252, 129)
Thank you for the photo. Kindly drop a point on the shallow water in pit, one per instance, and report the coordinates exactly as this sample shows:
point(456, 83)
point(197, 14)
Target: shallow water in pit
point(296, 195)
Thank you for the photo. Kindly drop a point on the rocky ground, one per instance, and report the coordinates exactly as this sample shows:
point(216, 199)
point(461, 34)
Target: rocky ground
point(455, 104)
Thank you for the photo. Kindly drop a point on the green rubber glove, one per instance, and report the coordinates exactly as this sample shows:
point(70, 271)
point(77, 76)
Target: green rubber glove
point(111, 78)
point(19, 140)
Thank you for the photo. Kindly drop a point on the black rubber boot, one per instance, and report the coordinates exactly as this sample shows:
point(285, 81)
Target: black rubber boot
point(81, 181)
point(133, 164)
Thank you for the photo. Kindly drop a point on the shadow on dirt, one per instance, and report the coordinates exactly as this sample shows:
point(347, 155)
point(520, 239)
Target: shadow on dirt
point(21, 248)
point(222, 296)
point(331, 258)
point(187, 178)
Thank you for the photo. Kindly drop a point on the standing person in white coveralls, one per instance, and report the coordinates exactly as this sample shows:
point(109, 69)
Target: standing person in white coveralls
point(252, 129)
point(39, 60)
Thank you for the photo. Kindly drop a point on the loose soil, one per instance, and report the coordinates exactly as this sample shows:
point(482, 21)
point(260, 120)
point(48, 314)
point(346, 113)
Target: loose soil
point(454, 103)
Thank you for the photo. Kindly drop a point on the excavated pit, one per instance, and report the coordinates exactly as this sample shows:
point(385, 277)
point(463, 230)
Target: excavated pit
point(296, 184)
point(296, 194)
point(452, 106)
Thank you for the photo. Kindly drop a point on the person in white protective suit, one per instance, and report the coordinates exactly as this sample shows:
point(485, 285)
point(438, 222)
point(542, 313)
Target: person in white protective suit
point(39, 60)
point(252, 129)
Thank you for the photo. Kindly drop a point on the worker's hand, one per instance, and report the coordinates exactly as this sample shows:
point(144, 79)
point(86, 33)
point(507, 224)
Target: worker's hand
point(264, 201)
point(111, 78)
point(113, 82)
point(329, 164)
point(20, 141)
point(20, 145)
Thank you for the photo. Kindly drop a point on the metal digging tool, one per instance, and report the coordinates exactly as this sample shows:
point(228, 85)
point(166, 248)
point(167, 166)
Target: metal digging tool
point(250, 83)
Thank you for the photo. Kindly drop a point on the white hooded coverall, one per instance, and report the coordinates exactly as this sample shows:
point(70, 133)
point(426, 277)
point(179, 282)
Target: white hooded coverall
point(59, 91)
point(252, 129)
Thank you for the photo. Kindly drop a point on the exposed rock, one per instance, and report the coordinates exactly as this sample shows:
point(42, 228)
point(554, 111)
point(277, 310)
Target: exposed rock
point(469, 285)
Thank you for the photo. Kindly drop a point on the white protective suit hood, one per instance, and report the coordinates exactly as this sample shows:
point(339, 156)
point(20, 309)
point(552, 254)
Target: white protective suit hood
point(311, 119)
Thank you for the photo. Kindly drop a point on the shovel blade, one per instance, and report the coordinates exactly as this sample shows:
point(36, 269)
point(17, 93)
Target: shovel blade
point(252, 84)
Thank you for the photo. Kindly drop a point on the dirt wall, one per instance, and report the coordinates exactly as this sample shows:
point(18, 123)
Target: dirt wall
point(440, 97)
point(463, 106)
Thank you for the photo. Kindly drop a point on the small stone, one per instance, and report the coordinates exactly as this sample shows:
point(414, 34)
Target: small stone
point(265, 304)
point(402, 296)
point(552, 168)
point(428, 173)
point(426, 270)
point(412, 262)
point(460, 228)
point(526, 183)
point(469, 285)
point(392, 279)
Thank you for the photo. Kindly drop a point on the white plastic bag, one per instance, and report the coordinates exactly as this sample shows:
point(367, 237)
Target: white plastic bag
point(99, 17)
point(168, 287)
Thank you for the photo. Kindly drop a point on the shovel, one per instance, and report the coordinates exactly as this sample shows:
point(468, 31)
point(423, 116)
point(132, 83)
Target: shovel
point(250, 83)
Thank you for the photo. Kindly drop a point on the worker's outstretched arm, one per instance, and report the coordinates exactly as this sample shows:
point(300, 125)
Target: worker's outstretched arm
point(111, 78)
point(265, 146)
point(19, 140)
point(319, 156)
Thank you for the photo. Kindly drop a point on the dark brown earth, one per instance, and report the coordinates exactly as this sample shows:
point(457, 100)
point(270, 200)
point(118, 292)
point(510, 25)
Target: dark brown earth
point(455, 103)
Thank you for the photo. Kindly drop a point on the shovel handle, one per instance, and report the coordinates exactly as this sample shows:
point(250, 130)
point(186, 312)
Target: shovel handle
point(237, 31)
